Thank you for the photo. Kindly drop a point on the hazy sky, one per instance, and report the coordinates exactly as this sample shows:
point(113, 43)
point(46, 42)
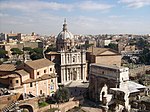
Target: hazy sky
point(83, 16)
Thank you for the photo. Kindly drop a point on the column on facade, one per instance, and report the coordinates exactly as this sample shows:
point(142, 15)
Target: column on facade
point(25, 91)
point(83, 73)
point(78, 75)
point(68, 74)
point(62, 59)
point(71, 71)
point(37, 88)
point(47, 87)
point(62, 75)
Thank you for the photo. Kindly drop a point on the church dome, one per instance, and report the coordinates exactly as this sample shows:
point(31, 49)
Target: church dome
point(65, 34)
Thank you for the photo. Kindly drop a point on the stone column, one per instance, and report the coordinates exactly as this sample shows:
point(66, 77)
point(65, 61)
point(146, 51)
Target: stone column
point(37, 89)
point(62, 75)
point(47, 87)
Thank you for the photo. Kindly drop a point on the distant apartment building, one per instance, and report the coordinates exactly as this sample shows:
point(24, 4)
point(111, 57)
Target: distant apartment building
point(33, 77)
point(20, 45)
point(14, 37)
point(3, 37)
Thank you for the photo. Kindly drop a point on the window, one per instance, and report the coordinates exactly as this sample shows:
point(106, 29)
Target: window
point(51, 80)
point(50, 69)
point(11, 81)
point(44, 71)
point(31, 84)
point(74, 59)
point(40, 91)
point(38, 73)
point(17, 81)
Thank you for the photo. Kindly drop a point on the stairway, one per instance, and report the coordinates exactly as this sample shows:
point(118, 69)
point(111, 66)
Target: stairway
point(9, 106)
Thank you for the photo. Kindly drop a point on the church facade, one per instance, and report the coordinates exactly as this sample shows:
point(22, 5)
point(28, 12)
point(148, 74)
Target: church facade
point(70, 62)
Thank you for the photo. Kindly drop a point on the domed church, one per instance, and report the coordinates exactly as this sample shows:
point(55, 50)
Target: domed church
point(70, 62)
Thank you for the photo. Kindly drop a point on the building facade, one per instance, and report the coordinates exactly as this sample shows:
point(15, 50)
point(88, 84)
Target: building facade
point(110, 86)
point(33, 77)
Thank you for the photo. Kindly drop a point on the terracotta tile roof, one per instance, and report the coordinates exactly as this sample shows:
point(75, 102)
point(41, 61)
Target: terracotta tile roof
point(7, 67)
point(98, 51)
point(10, 76)
point(40, 63)
point(22, 72)
point(44, 77)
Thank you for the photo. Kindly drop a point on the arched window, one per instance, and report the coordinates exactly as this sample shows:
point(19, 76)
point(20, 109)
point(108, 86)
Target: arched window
point(73, 59)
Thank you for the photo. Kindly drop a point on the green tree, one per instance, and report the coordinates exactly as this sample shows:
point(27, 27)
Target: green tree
point(17, 52)
point(62, 95)
point(3, 53)
point(144, 57)
point(36, 53)
point(28, 49)
point(141, 43)
point(113, 46)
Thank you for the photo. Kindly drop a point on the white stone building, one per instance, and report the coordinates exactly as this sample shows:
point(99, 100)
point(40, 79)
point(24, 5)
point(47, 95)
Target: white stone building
point(110, 85)
point(70, 62)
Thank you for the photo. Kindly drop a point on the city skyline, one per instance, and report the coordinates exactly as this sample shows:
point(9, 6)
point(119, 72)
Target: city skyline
point(83, 17)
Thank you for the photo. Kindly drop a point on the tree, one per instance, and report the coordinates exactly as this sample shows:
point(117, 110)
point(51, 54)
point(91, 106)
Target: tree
point(144, 57)
point(141, 43)
point(28, 49)
point(3, 53)
point(16, 51)
point(113, 46)
point(36, 53)
point(62, 95)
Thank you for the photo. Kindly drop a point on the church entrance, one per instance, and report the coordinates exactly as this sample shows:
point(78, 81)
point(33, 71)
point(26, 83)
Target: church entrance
point(74, 74)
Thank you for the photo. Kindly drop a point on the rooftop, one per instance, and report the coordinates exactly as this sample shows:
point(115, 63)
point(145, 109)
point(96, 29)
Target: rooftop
point(98, 51)
point(107, 66)
point(129, 86)
point(22, 72)
point(44, 77)
point(7, 67)
point(40, 63)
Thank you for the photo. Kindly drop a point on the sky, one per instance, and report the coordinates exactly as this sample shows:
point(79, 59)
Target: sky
point(83, 16)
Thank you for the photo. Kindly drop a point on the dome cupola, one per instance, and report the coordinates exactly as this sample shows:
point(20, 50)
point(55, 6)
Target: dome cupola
point(65, 39)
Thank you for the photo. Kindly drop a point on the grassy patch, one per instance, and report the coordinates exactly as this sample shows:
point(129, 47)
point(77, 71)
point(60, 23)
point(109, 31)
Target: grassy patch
point(42, 104)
